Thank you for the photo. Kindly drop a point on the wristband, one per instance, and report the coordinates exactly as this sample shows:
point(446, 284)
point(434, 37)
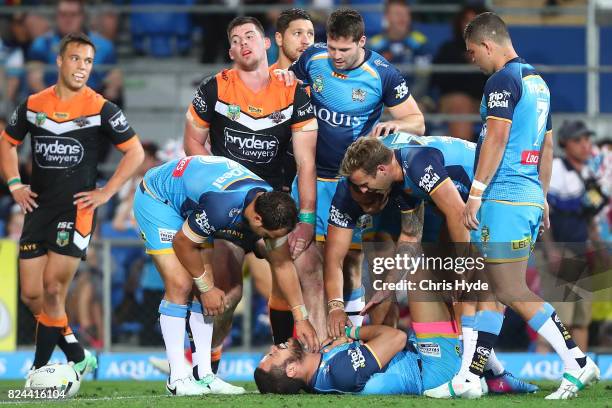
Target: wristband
point(273, 243)
point(335, 304)
point(352, 332)
point(13, 181)
point(478, 185)
point(473, 197)
point(299, 313)
point(16, 187)
point(203, 284)
point(308, 217)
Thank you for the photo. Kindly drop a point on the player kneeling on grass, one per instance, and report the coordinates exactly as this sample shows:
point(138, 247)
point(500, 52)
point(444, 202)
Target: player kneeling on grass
point(178, 206)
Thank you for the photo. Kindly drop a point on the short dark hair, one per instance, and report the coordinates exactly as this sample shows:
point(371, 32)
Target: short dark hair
point(242, 20)
point(79, 38)
point(347, 23)
point(276, 381)
point(277, 210)
point(287, 16)
point(486, 26)
point(397, 2)
point(458, 18)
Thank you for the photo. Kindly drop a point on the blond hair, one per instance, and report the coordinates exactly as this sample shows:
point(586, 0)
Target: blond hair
point(366, 154)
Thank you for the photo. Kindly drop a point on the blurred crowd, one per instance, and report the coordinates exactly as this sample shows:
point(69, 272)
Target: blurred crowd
point(579, 192)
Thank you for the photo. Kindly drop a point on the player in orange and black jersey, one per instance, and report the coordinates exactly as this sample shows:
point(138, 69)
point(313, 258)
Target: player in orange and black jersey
point(251, 117)
point(67, 123)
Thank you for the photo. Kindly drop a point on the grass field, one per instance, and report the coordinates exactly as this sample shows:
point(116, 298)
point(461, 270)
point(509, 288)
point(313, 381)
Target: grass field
point(151, 394)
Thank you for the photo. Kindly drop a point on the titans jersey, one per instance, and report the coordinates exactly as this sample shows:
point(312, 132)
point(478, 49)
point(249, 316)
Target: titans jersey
point(348, 368)
point(518, 95)
point(210, 192)
point(348, 103)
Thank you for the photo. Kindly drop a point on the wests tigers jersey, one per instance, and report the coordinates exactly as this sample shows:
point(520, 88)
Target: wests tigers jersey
point(66, 138)
point(252, 128)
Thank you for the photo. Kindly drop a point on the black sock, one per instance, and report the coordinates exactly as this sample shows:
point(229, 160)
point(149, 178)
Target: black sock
point(484, 345)
point(70, 346)
point(192, 346)
point(569, 341)
point(46, 339)
point(282, 323)
point(214, 365)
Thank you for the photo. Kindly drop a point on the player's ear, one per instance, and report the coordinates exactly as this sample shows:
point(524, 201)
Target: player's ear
point(362, 41)
point(231, 55)
point(278, 39)
point(58, 60)
point(291, 369)
point(267, 42)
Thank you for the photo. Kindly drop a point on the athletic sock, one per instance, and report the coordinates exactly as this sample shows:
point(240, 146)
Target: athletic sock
point(488, 324)
point(48, 333)
point(172, 322)
point(354, 304)
point(71, 347)
point(200, 329)
point(215, 358)
point(468, 341)
point(281, 320)
point(494, 365)
point(548, 325)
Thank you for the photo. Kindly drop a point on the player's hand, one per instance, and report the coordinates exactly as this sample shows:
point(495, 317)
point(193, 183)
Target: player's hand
point(385, 128)
point(213, 302)
point(307, 335)
point(545, 218)
point(91, 199)
point(469, 213)
point(300, 238)
point(329, 344)
point(287, 76)
point(379, 297)
point(337, 320)
point(25, 198)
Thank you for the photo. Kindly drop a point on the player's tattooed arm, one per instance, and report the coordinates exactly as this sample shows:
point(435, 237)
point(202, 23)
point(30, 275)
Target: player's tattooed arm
point(408, 245)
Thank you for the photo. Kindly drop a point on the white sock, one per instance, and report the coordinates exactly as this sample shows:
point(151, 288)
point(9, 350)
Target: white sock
point(494, 364)
point(469, 346)
point(201, 331)
point(355, 306)
point(551, 333)
point(173, 331)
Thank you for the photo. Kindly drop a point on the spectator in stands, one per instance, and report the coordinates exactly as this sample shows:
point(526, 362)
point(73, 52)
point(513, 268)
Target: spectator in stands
point(400, 44)
point(12, 56)
point(14, 225)
point(70, 17)
point(106, 23)
point(459, 93)
point(575, 198)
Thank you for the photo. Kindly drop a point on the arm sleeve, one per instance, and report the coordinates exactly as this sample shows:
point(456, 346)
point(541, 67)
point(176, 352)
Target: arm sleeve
point(395, 89)
point(502, 93)
point(303, 112)
point(17, 127)
point(203, 103)
point(549, 122)
point(212, 214)
point(427, 169)
point(344, 211)
point(115, 125)
point(352, 368)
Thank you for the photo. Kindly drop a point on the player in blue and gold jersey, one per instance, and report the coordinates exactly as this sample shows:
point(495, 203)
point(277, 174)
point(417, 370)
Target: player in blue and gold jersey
point(350, 86)
point(181, 204)
point(506, 204)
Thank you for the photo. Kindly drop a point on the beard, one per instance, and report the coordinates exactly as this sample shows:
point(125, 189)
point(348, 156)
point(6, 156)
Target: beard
point(296, 349)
